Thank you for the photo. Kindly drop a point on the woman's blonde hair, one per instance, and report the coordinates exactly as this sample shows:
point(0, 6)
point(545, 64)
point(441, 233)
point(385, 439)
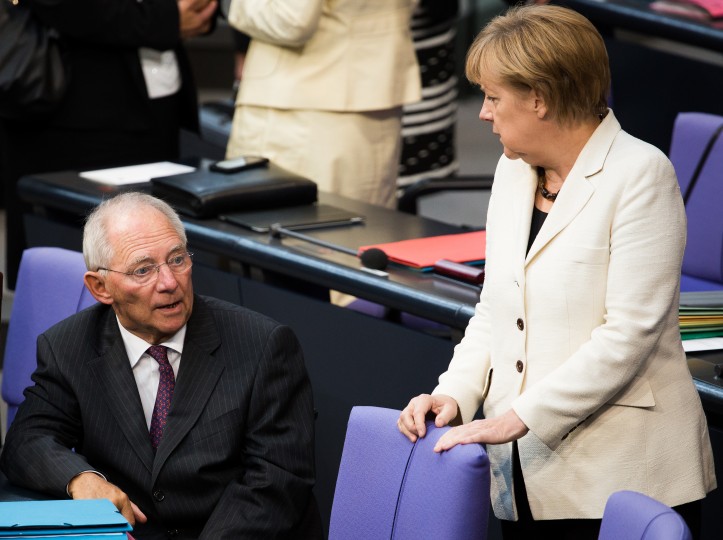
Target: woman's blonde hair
point(550, 49)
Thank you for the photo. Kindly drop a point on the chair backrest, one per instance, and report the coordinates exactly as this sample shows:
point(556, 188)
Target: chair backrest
point(49, 289)
point(630, 515)
point(700, 175)
point(388, 487)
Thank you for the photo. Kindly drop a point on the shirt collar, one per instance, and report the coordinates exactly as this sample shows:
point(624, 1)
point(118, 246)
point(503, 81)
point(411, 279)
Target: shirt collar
point(136, 347)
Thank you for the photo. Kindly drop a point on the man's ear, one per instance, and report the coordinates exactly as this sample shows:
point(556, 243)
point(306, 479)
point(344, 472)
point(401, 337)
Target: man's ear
point(95, 283)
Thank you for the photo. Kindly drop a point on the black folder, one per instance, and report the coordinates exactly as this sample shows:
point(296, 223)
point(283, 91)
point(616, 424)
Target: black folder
point(203, 193)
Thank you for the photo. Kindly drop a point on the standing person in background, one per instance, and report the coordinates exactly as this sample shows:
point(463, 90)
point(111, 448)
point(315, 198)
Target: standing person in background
point(323, 87)
point(428, 127)
point(130, 92)
point(574, 348)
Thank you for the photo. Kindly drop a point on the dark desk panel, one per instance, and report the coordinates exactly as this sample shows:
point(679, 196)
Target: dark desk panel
point(61, 198)
point(661, 65)
point(636, 15)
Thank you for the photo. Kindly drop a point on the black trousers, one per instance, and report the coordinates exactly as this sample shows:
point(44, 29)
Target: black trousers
point(526, 527)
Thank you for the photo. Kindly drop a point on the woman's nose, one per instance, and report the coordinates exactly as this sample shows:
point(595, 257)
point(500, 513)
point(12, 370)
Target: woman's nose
point(485, 114)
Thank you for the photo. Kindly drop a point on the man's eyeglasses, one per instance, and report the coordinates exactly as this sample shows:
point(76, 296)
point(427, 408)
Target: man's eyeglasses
point(148, 273)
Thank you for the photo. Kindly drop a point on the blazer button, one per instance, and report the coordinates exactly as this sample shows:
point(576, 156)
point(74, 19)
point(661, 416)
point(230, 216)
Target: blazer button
point(173, 533)
point(520, 324)
point(520, 366)
point(158, 495)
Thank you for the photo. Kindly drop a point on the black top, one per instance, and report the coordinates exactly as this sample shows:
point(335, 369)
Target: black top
point(538, 218)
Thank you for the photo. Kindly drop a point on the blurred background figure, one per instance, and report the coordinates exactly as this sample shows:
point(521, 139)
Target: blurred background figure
point(323, 88)
point(428, 127)
point(130, 92)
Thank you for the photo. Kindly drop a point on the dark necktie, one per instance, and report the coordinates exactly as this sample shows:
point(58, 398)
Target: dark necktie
point(166, 384)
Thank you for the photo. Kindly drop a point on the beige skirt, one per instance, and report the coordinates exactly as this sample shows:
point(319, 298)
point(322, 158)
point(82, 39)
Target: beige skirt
point(348, 153)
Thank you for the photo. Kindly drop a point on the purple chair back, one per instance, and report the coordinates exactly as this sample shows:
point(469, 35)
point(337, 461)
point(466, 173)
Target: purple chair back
point(703, 259)
point(49, 289)
point(388, 487)
point(630, 515)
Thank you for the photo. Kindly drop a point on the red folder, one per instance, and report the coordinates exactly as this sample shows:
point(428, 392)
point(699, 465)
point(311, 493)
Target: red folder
point(422, 253)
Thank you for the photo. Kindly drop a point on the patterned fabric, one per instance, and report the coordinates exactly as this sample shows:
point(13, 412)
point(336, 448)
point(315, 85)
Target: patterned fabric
point(428, 126)
point(166, 384)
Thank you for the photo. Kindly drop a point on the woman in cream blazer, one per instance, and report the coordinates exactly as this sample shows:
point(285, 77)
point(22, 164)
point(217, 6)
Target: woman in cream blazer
point(574, 348)
point(322, 91)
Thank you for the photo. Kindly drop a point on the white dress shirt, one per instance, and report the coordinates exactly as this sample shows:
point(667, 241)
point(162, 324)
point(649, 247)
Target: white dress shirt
point(145, 368)
point(160, 70)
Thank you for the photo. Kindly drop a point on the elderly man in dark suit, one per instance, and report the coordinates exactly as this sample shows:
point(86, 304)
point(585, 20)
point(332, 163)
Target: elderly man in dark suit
point(192, 415)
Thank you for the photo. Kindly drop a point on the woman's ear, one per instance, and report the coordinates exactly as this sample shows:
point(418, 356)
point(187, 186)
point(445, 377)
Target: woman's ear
point(95, 283)
point(539, 105)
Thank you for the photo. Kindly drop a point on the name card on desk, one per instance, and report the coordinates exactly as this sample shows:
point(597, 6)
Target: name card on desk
point(135, 174)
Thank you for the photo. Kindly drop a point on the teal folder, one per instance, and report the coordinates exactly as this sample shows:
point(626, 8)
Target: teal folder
point(66, 519)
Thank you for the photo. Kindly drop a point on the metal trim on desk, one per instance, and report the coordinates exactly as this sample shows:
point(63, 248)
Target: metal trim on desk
point(635, 15)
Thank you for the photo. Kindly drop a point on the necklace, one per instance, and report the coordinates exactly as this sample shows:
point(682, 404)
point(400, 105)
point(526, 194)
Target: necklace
point(541, 179)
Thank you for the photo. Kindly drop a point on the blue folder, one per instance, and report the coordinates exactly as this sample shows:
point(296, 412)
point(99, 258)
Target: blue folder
point(66, 519)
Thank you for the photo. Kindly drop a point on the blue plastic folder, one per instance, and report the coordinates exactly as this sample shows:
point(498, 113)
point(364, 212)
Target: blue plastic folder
point(64, 519)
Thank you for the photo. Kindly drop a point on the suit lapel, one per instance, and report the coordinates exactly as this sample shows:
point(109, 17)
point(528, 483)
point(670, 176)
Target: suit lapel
point(119, 390)
point(197, 377)
point(522, 204)
point(578, 189)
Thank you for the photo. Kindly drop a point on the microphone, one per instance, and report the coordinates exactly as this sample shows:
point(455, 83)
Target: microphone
point(372, 258)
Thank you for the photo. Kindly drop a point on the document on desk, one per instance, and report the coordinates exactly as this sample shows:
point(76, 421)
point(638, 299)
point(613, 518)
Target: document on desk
point(66, 519)
point(135, 174)
point(701, 320)
point(422, 253)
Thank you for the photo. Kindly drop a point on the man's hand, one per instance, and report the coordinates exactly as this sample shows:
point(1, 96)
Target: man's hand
point(196, 16)
point(411, 420)
point(503, 429)
point(89, 485)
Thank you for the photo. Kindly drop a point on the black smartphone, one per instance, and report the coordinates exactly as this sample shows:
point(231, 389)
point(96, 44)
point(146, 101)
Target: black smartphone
point(238, 164)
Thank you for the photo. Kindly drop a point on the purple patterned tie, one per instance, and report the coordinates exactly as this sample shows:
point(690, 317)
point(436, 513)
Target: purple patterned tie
point(166, 384)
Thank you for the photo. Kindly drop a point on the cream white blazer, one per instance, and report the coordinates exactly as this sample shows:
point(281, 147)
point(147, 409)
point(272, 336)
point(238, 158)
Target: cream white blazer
point(580, 336)
point(333, 55)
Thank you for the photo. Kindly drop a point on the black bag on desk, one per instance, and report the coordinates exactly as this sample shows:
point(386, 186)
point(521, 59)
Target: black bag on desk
point(33, 77)
point(203, 193)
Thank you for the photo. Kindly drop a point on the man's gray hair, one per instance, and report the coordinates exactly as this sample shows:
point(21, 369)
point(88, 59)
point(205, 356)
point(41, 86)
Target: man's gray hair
point(97, 250)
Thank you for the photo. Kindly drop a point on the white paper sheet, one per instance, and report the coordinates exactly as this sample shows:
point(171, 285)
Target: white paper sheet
point(704, 344)
point(134, 174)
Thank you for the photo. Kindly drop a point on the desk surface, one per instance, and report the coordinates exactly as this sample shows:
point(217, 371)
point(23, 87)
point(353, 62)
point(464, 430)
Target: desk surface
point(636, 15)
point(424, 294)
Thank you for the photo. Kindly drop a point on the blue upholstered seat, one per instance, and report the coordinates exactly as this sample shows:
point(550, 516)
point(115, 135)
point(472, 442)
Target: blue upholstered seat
point(49, 289)
point(389, 488)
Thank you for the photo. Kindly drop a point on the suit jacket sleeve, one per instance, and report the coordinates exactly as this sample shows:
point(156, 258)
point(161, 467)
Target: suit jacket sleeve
point(280, 23)
point(38, 454)
point(268, 499)
point(119, 23)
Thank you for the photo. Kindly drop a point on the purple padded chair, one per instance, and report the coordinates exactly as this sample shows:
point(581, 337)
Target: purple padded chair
point(389, 488)
point(49, 289)
point(630, 515)
point(702, 188)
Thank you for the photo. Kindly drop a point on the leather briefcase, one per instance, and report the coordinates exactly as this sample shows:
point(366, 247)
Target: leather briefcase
point(204, 193)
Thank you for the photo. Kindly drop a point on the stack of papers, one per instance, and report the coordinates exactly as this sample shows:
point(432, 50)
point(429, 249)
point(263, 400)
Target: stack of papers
point(64, 520)
point(422, 253)
point(700, 322)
